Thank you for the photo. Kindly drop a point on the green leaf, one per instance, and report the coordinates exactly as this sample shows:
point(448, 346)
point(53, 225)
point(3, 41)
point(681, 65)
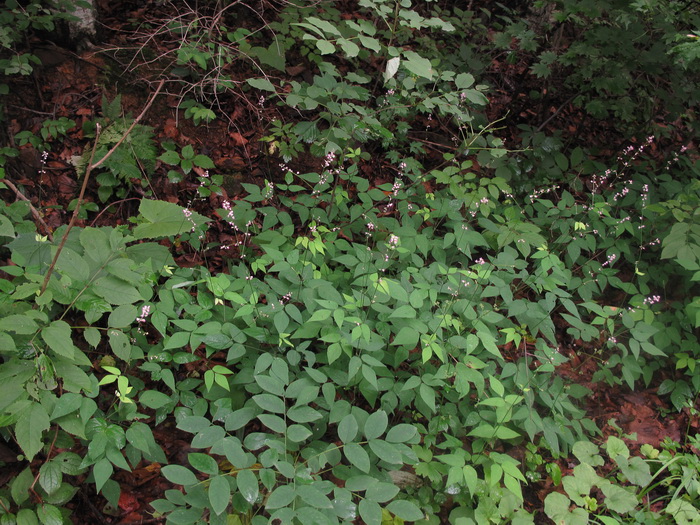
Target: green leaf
point(298, 433)
point(303, 414)
point(247, 483)
point(170, 157)
point(348, 428)
point(179, 475)
point(30, 427)
point(382, 492)
point(401, 433)
point(203, 462)
point(163, 219)
point(102, 470)
point(122, 316)
point(385, 451)
point(27, 517)
point(407, 336)
point(418, 65)
point(587, 452)
point(270, 403)
point(66, 404)
point(403, 312)
point(50, 477)
point(116, 291)
point(370, 512)
point(556, 506)
point(20, 324)
point(280, 497)
point(357, 456)
point(376, 424)
point(314, 497)
point(616, 447)
point(19, 488)
point(120, 344)
point(262, 84)
point(637, 471)
point(405, 510)
point(154, 399)
point(274, 423)
point(619, 499)
point(219, 494)
point(464, 81)
point(349, 47)
point(49, 515)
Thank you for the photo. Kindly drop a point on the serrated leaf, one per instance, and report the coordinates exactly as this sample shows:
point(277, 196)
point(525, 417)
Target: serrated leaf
point(116, 291)
point(49, 515)
point(170, 157)
point(50, 477)
point(30, 427)
point(58, 337)
point(19, 488)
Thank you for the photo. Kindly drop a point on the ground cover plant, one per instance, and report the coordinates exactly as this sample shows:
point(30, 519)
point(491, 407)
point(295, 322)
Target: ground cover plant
point(313, 270)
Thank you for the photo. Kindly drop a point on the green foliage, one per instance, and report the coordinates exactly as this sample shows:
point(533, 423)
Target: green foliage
point(612, 57)
point(623, 494)
point(375, 347)
point(133, 161)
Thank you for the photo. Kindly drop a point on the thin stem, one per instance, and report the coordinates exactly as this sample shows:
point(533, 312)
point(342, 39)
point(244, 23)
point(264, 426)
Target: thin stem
point(34, 211)
point(88, 171)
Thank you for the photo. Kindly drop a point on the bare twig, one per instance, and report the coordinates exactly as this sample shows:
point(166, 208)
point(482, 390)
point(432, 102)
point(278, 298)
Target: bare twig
point(88, 171)
point(34, 211)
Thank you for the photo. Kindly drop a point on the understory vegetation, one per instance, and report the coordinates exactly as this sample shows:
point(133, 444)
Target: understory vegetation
point(439, 239)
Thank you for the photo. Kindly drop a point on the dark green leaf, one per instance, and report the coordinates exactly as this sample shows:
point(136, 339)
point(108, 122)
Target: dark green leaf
point(247, 483)
point(179, 475)
point(357, 456)
point(348, 428)
point(219, 494)
point(280, 497)
point(405, 510)
point(314, 497)
point(376, 424)
point(50, 477)
point(203, 462)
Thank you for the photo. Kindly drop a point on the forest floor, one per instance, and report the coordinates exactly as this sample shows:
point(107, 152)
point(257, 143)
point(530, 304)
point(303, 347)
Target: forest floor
point(72, 85)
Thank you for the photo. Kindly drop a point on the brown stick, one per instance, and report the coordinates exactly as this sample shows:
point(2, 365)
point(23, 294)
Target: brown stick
point(88, 171)
point(34, 211)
